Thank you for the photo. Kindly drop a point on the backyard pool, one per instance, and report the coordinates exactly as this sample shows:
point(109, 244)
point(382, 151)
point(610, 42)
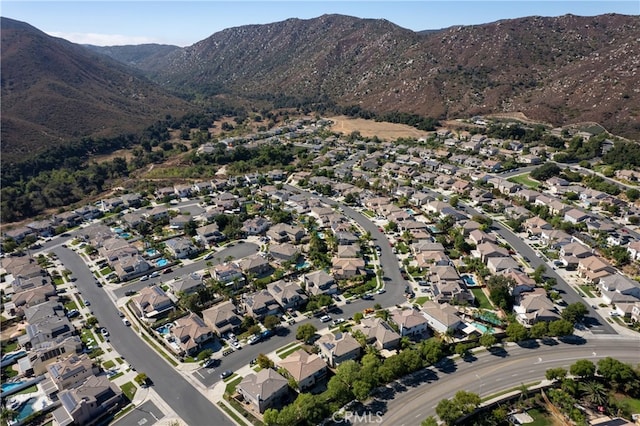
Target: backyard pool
point(165, 329)
point(117, 230)
point(6, 387)
point(303, 265)
point(410, 212)
point(482, 328)
point(151, 252)
point(162, 262)
point(10, 357)
point(125, 235)
point(468, 280)
point(27, 409)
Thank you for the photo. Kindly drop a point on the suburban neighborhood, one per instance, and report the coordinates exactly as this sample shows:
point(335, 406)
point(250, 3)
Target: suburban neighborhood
point(361, 252)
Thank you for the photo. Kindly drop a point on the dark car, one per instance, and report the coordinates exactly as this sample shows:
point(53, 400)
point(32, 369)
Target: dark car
point(226, 374)
point(211, 362)
point(129, 292)
point(167, 271)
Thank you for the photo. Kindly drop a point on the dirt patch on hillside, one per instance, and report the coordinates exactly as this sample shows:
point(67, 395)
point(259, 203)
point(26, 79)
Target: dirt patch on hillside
point(370, 128)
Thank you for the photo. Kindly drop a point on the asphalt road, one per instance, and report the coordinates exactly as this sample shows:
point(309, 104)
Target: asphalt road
point(412, 399)
point(146, 413)
point(178, 393)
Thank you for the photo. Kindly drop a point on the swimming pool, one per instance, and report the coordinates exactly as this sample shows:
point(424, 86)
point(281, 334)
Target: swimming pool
point(483, 328)
point(164, 330)
point(468, 280)
point(125, 235)
point(27, 409)
point(162, 262)
point(117, 230)
point(151, 252)
point(410, 212)
point(303, 265)
point(6, 387)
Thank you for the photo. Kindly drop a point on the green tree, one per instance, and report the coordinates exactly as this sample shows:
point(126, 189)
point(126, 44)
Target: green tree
point(429, 421)
point(460, 405)
point(271, 322)
point(556, 374)
point(516, 332)
point(488, 340)
point(620, 375)
point(264, 361)
point(583, 368)
point(560, 328)
point(538, 330)
point(306, 332)
point(205, 354)
point(574, 312)
point(357, 317)
point(431, 350)
point(595, 393)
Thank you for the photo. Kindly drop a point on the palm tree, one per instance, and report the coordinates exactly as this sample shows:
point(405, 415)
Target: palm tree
point(595, 393)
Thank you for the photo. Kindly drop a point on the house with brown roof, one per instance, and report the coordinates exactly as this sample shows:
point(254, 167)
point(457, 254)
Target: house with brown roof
point(488, 250)
point(593, 268)
point(261, 304)
point(306, 369)
point(288, 294)
point(617, 289)
point(190, 332)
point(521, 282)
point(410, 322)
point(338, 348)
point(264, 389)
point(535, 306)
point(71, 371)
point(284, 252)
point(499, 264)
point(88, 402)
point(441, 317)
point(345, 268)
point(229, 274)
point(378, 333)
point(254, 264)
point(222, 318)
point(319, 282)
point(152, 302)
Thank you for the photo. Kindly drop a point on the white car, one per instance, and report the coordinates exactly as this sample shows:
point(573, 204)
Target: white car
point(325, 318)
point(338, 321)
point(144, 278)
point(126, 322)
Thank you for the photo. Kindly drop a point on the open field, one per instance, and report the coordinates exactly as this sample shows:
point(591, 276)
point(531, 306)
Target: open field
point(371, 128)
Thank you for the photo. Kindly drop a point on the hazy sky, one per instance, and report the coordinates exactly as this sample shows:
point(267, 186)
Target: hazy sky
point(184, 23)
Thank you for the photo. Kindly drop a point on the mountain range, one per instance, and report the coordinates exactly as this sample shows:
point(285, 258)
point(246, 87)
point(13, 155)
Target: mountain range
point(558, 70)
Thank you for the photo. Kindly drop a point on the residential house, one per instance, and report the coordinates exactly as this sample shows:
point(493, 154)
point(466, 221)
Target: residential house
point(130, 267)
point(222, 318)
point(49, 326)
point(181, 247)
point(288, 294)
point(88, 402)
point(593, 268)
point(71, 371)
point(338, 348)
point(521, 282)
point(575, 216)
point(284, 252)
point(488, 250)
point(186, 284)
point(617, 289)
point(228, 274)
point(254, 265)
point(447, 285)
point(190, 333)
point(378, 333)
point(410, 322)
point(180, 221)
point(261, 304)
point(282, 232)
point(306, 369)
point(182, 191)
point(210, 235)
point(535, 306)
point(264, 389)
point(256, 226)
point(152, 302)
point(478, 237)
point(319, 282)
point(345, 268)
point(499, 264)
point(441, 317)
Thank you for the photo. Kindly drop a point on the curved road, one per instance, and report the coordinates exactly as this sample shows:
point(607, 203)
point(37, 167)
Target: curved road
point(184, 399)
point(416, 396)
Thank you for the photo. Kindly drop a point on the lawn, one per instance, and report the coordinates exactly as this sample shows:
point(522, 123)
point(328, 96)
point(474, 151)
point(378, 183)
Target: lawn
point(481, 298)
point(70, 305)
point(285, 347)
point(119, 360)
point(115, 376)
point(524, 180)
point(231, 385)
point(587, 290)
point(106, 271)
point(288, 352)
point(30, 389)
point(420, 300)
point(129, 389)
point(108, 364)
point(634, 404)
point(540, 418)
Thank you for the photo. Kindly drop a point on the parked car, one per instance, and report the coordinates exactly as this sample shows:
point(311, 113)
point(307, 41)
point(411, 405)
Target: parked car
point(325, 318)
point(121, 314)
point(144, 278)
point(225, 374)
point(381, 291)
point(154, 274)
point(86, 302)
point(104, 332)
point(126, 322)
point(129, 292)
point(254, 339)
point(367, 296)
point(338, 321)
point(73, 313)
point(167, 271)
point(236, 345)
point(211, 362)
